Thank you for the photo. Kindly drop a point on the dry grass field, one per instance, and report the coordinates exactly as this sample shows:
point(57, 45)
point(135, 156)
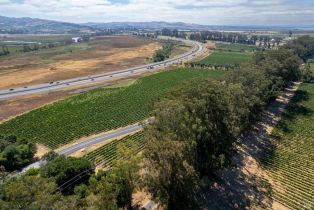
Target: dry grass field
point(101, 54)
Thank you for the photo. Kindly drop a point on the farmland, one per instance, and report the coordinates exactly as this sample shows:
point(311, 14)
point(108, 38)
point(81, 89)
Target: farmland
point(226, 58)
point(15, 43)
point(235, 47)
point(227, 54)
point(99, 55)
point(98, 110)
point(106, 154)
point(289, 163)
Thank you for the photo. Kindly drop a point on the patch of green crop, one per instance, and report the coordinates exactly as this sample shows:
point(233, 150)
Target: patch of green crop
point(290, 162)
point(235, 47)
point(98, 110)
point(226, 58)
point(107, 154)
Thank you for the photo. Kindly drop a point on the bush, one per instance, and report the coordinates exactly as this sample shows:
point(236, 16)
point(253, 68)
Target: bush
point(15, 153)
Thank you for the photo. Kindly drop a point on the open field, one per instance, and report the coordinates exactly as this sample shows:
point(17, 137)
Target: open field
point(289, 162)
point(235, 47)
point(15, 42)
point(97, 110)
point(106, 154)
point(226, 58)
point(101, 54)
point(43, 38)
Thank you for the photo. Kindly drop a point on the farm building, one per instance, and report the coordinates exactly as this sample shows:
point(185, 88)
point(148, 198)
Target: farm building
point(77, 39)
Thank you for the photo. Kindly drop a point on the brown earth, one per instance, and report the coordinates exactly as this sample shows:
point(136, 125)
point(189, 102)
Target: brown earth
point(102, 54)
point(41, 151)
point(210, 45)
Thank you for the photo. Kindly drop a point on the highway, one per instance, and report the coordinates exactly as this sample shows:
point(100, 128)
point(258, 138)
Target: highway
point(115, 134)
point(4, 94)
point(87, 80)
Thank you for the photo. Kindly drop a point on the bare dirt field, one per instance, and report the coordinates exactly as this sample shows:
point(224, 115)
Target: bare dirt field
point(99, 55)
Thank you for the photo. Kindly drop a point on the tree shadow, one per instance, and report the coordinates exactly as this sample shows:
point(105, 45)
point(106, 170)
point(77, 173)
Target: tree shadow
point(295, 109)
point(236, 189)
point(241, 186)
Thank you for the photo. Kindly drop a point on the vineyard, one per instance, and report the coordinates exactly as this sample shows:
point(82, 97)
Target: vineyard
point(98, 110)
point(235, 47)
point(226, 58)
point(290, 163)
point(106, 154)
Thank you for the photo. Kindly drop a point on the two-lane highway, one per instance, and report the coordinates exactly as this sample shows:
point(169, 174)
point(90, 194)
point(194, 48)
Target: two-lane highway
point(92, 141)
point(87, 80)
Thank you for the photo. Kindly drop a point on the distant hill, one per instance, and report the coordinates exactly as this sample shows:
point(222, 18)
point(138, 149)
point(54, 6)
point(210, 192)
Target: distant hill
point(13, 25)
point(148, 25)
point(35, 25)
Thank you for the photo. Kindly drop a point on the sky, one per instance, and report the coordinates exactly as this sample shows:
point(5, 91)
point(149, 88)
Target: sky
point(207, 12)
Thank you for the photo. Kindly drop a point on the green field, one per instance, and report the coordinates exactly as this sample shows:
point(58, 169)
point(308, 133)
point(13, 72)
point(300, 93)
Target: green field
point(37, 38)
point(312, 67)
point(97, 110)
point(15, 43)
point(226, 58)
point(106, 154)
point(290, 164)
point(235, 47)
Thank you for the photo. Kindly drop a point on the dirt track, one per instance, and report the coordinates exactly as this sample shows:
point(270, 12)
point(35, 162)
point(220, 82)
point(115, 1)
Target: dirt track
point(245, 185)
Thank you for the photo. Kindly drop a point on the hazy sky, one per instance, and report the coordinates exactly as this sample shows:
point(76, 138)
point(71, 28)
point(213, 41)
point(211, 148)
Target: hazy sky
point(210, 12)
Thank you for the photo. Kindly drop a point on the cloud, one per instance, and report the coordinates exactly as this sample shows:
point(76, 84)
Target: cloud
point(211, 12)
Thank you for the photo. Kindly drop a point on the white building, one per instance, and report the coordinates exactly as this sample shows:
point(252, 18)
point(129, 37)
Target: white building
point(77, 39)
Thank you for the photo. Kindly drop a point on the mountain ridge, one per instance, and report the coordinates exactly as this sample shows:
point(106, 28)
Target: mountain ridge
point(13, 25)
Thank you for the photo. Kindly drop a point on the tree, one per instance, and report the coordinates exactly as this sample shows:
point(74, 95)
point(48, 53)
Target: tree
point(102, 195)
point(28, 192)
point(303, 47)
point(50, 156)
point(170, 179)
point(166, 32)
point(163, 53)
point(5, 50)
point(124, 175)
point(283, 63)
point(62, 169)
point(15, 153)
point(26, 48)
point(194, 129)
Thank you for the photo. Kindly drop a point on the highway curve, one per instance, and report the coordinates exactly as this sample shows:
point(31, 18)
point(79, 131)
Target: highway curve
point(79, 81)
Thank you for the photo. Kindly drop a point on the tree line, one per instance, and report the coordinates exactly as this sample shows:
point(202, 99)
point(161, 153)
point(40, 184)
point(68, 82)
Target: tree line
point(196, 126)
point(5, 50)
point(164, 53)
point(44, 188)
point(232, 37)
